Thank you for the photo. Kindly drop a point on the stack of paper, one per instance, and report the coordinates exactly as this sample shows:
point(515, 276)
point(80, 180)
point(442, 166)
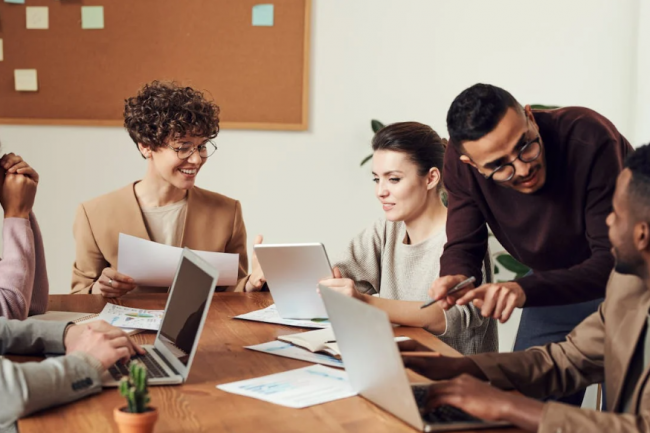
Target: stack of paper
point(322, 340)
point(288, 350)
point(303, 346)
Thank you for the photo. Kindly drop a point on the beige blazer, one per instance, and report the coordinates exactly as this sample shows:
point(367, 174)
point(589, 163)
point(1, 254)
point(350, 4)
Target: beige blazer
point(600, 348)
point(213, 223)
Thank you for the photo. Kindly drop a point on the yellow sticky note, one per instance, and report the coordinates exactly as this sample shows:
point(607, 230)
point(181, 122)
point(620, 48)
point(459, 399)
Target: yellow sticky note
point(38, 17)
point(25, 80)
point(2, 52)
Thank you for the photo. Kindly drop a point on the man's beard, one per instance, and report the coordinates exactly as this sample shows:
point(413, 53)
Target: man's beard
point(622, 266)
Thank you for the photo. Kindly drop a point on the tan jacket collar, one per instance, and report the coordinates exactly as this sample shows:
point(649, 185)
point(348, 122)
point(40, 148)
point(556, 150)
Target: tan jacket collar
point(624, 340)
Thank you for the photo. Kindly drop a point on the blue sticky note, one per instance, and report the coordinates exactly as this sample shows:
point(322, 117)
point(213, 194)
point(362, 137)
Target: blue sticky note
point(263, 15)
point(18, 2)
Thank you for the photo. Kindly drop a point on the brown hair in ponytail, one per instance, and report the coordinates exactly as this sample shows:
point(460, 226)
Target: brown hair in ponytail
point(420, 142)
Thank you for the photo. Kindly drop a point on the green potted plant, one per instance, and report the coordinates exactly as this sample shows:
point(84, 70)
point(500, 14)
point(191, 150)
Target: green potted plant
point(136, 416)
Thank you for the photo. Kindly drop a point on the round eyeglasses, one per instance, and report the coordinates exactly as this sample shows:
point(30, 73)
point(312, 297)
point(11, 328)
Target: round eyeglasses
point(205, 150)
point(528, 153)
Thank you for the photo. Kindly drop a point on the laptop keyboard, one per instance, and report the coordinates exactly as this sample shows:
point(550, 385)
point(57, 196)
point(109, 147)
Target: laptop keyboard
point(441, 414)
point(154, 369)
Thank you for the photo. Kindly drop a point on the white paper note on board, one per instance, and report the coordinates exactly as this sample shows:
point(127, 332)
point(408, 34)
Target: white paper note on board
point(38, 17)
point(25, 80)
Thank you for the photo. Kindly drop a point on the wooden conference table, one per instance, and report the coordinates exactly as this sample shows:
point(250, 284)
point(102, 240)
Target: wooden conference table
point(197, 405)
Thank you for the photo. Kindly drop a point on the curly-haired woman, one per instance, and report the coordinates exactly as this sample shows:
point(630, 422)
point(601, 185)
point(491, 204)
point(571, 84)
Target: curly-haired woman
point(173, 128)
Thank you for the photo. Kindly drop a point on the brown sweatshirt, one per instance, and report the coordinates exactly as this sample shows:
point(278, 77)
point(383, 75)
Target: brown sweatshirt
point(558, 231)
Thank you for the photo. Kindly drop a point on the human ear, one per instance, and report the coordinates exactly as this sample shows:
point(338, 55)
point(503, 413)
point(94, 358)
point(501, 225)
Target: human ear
point(642, 236)
point(528, 112)
point(465, 159)
point(144, 150)
point(433, 178)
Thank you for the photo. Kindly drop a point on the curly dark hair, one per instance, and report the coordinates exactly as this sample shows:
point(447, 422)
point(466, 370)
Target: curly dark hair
point(639, 188)
point(477, 111)
point(164, 110)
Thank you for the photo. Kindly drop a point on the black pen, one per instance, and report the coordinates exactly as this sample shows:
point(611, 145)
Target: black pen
point(454, 289)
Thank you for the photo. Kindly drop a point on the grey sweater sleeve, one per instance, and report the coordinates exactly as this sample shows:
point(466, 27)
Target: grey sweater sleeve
point(28, 387)
point(361, 260)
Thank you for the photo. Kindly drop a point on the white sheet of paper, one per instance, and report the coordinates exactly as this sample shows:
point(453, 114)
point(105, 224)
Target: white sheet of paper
point(25, 80)
point(37, 17)
point(153, 264)
point(288, 350)
point(299, 388)
point(126, 317)
point(270, 315)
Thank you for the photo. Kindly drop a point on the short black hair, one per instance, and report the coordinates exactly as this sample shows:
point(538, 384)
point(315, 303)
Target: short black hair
point(638, 162)
point(477, 111)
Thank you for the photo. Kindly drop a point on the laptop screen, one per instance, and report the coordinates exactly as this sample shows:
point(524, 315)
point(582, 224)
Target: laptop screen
point(179, 329)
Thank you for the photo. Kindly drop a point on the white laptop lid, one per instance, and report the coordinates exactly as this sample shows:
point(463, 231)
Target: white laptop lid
point(186, 310)
point(370, 355)
point(292, 272)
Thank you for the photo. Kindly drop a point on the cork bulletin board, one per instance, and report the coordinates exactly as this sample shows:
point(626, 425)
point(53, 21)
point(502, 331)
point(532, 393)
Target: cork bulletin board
point(257, 74)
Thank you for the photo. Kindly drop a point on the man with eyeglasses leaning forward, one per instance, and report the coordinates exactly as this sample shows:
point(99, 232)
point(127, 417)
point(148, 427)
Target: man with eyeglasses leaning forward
point(543, 181)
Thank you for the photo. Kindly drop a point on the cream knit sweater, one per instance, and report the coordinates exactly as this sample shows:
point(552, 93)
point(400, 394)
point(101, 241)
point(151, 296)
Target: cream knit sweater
point(381, 263)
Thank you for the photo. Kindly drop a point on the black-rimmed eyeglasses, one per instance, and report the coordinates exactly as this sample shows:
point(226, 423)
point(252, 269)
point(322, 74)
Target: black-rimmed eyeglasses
point(205, 150)
point(528, 153)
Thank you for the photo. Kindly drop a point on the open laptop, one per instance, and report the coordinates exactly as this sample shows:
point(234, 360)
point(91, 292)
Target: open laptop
point(292, 272)
point(376, 371)
point(169, 359)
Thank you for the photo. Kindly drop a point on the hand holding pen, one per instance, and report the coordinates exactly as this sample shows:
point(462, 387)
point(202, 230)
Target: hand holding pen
point(454, 289)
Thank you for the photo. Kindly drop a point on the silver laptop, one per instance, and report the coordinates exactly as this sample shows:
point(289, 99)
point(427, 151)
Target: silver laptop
point(169, 359)
point(292, 272)
point(364, 336)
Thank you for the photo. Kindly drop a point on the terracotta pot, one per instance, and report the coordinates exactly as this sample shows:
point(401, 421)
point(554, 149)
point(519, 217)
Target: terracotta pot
point(135, 422)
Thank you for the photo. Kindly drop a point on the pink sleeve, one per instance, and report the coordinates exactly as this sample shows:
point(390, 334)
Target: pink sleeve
point(17, 268)
point(41, 290)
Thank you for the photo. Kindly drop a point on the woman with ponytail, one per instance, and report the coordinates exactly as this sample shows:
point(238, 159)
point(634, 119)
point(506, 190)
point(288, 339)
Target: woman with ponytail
point(391, 264)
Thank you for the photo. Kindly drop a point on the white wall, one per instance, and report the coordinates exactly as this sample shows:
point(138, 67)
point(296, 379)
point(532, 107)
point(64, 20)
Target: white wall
point(642, 94)
point(385, 59)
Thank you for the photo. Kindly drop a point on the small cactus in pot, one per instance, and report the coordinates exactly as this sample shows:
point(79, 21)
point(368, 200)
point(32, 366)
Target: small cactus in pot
point(136, 416)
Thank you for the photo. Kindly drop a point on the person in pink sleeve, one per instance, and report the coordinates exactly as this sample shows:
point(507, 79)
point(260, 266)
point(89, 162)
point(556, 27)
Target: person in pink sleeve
point(23, 277)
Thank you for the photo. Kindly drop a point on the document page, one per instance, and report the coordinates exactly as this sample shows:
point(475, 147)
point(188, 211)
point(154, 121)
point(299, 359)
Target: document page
point(299, 388)
point(288, 350)
point(270, 315)
point(137, 318)
point(153, 264)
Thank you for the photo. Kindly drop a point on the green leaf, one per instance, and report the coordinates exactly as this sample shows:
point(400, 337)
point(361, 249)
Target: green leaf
point(366, 159)
point(376, 125)
point(508, 262)
point(543, 107)
point(496, 269)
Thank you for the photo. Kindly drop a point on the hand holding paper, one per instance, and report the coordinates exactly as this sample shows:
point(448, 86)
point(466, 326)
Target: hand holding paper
point(153, 264)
